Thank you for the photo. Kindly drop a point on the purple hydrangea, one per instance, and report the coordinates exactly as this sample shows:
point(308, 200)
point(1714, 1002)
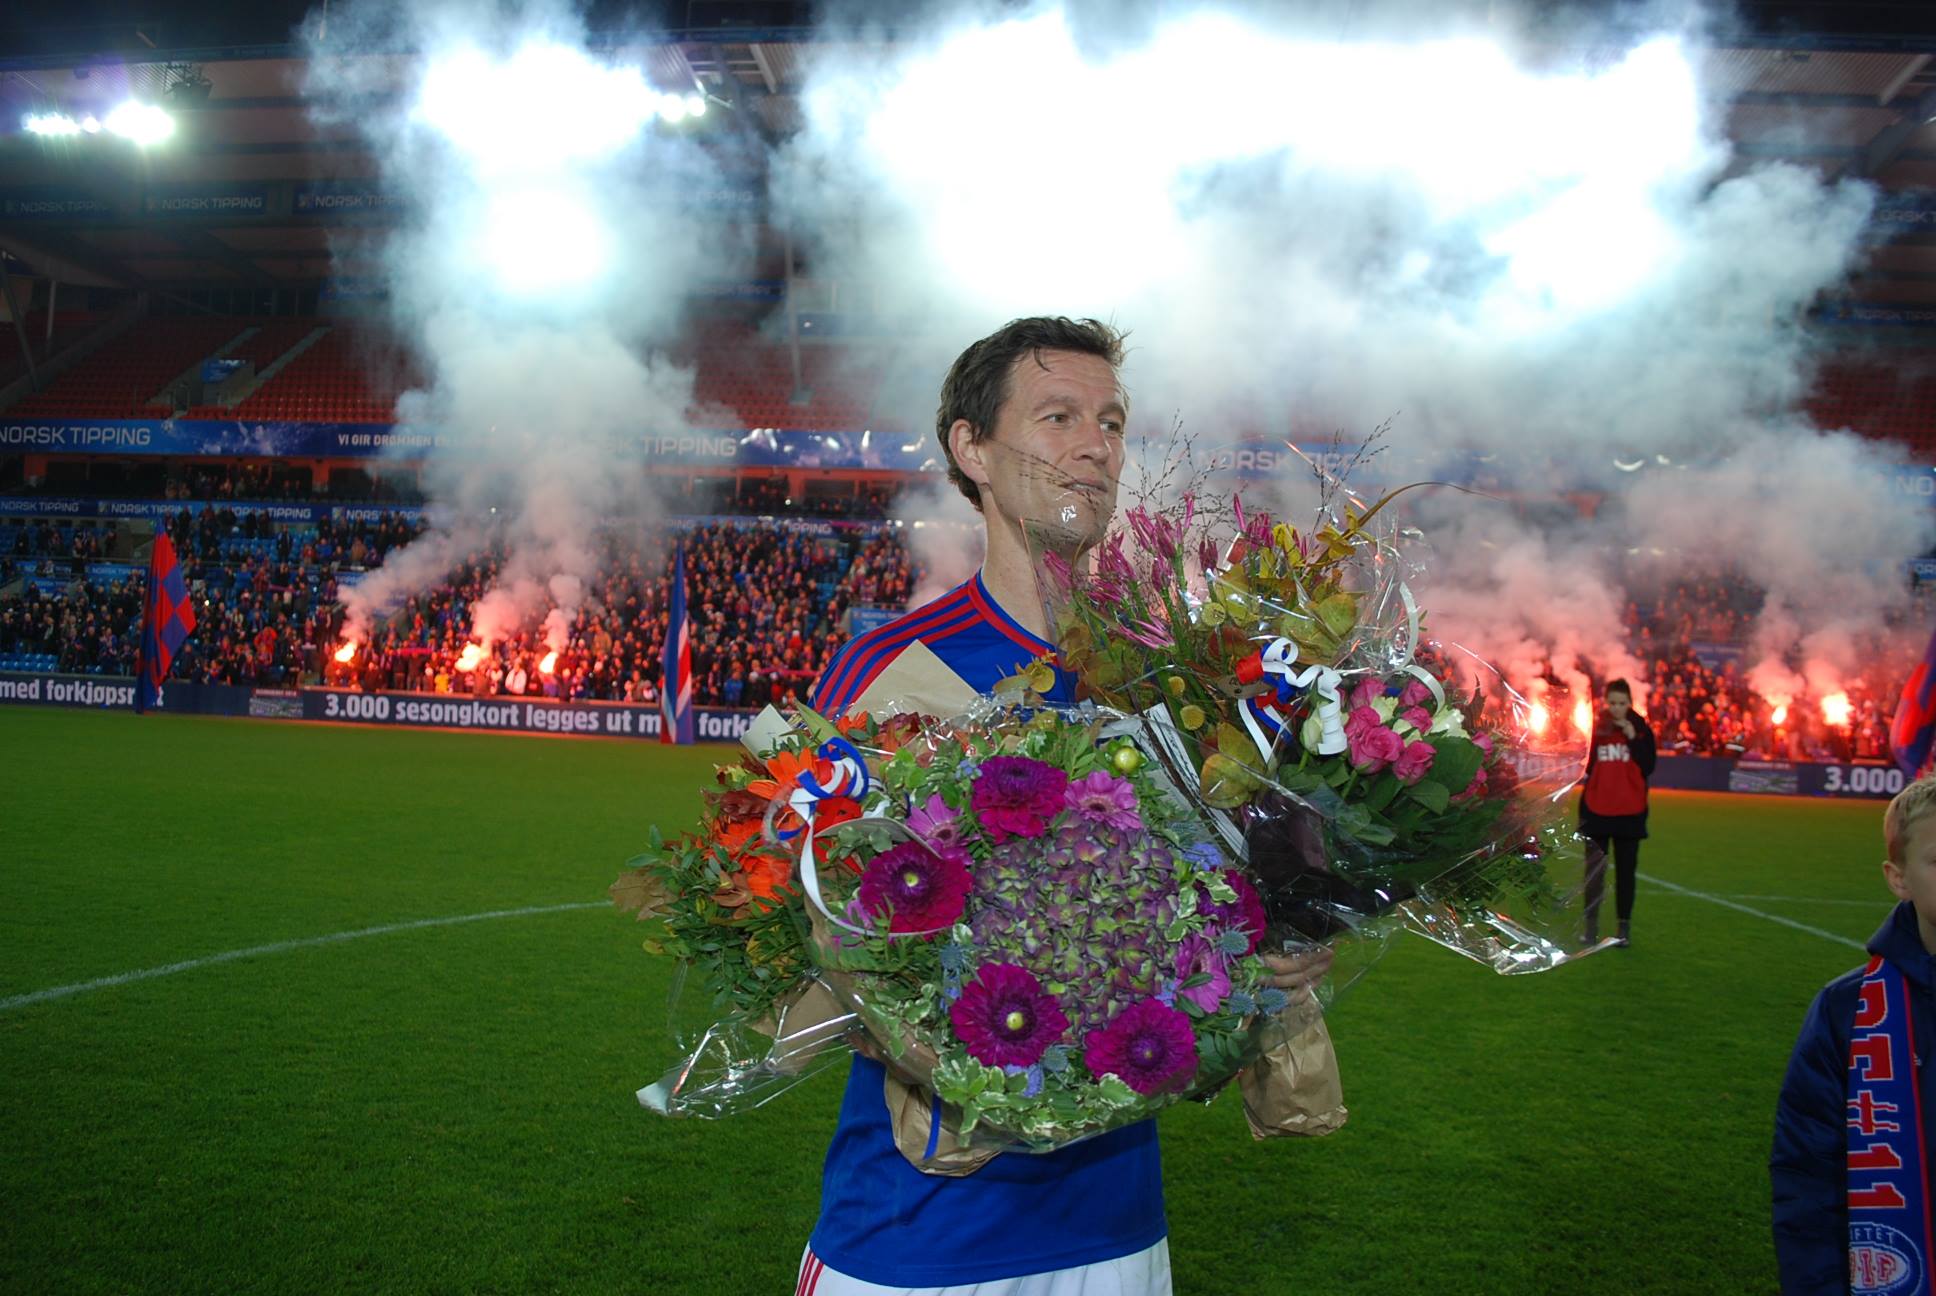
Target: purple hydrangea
point(1005, 1017)
point(1016, 796)
point(919, 890)
point(1150, 1046)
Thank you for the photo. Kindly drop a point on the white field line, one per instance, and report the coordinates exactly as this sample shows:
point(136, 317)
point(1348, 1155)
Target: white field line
point(1738, 908)
point(280, 947)
point(1876, 905)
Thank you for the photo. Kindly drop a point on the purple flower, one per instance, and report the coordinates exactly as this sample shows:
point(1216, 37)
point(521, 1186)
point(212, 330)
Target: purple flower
point(1005, 1018)
point(1412, 763)
point(1151, 1047)
point(919, 890)
point(1197, 957)
point(1244, 914)
point(939, 825)
point(1104, 798)
point(1015, 796)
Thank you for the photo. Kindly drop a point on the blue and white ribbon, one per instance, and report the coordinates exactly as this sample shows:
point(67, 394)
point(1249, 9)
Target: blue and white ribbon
point(1265, 715)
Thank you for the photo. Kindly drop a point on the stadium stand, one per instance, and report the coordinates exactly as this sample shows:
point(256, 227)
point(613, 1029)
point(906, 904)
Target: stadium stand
point(1891, 399)
point(69, 328)
point(124, 376)
point(330, 382)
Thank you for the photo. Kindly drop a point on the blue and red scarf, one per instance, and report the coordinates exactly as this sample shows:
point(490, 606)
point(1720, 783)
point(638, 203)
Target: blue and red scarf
point(1889, 1226)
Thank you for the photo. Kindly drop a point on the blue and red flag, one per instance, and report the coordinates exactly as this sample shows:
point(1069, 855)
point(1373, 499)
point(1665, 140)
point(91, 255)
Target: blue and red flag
point(166, 622)
point(675, 692)
point(1913, 730)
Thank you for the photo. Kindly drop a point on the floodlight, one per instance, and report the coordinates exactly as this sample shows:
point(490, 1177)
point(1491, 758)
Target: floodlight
point(141, 123)
point(672, 108)
point(50, 124)
point(541, 241)
point(91, 124)
point(696, 105)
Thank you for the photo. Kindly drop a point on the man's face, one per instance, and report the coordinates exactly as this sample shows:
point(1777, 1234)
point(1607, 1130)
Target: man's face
point(1055, 455)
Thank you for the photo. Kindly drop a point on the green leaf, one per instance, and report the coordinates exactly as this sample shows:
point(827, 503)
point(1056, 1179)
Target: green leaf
point(1433, 796)
point(1457, 761)
point(1382, 791)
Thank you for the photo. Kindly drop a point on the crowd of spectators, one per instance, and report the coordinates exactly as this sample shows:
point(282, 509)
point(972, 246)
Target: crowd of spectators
point(87, 628)
point(1700, 700)
point(769, 603)
point(767, 609)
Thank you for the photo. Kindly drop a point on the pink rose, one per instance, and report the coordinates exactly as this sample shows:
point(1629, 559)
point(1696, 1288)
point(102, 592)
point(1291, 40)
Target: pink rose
point(1415, 694)
point(1412, 763)
point(1418, 718)
point(1375, 749)
point(1483, 742)
point(1361, 722)
point(1367, 692)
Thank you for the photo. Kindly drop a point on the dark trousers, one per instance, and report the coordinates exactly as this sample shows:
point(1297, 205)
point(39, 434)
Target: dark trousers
point(1626, 859)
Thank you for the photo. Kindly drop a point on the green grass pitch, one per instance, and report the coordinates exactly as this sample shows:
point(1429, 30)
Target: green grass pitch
point(450, 1108)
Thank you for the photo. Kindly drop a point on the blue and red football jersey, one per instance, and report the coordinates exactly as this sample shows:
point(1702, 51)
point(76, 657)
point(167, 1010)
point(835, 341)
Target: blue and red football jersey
point(885, 1222)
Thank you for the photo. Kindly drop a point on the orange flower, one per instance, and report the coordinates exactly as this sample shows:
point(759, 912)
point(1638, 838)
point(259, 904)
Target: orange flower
point(787, 767)
point(735, 837)
point(764, 876)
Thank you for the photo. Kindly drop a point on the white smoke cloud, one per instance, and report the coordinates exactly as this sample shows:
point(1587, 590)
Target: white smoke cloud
point(1541, 257)
point(541, 266)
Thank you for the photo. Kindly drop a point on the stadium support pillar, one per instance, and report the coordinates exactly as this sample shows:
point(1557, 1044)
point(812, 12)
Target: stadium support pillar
point(53, 294)
point(792, 319)
point(20, 328)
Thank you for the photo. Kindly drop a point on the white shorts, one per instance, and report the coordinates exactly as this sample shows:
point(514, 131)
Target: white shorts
point(1146, 1273)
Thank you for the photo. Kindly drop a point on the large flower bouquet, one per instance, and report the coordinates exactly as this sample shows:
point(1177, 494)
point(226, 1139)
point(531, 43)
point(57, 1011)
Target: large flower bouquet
point(1053, 918)
point(1283, 680)
point(1022, 920)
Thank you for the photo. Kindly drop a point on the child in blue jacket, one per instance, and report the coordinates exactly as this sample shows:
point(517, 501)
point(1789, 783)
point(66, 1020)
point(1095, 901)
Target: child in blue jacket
point(1853, 1127)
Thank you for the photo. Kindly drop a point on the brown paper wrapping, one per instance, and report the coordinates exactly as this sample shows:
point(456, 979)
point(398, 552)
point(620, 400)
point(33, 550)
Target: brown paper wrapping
point(1294, 1089)
point(915, 681)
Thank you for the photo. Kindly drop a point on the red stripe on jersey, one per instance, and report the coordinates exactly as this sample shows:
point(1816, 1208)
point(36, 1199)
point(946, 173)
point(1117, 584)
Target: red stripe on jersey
point(894, 634)
point(1002, 621)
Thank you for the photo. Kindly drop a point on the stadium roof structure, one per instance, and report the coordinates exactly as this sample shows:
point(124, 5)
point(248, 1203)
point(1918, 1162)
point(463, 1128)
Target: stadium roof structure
point(1848, 89)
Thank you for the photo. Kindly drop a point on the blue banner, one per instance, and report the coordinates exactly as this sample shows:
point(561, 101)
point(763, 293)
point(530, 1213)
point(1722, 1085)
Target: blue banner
point(1904, 211)
point(55, 204)
point(343, 198)
point(862, 619)
point(502, 714)
point(217, 371)
point(1777, 778)
point(206, 198)
point(1876, 314)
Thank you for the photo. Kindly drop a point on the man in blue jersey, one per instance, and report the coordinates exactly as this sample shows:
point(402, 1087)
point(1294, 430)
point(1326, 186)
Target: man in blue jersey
point(1031, 421)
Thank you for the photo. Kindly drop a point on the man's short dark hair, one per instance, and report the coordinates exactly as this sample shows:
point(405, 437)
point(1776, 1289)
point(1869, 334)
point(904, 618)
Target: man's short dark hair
point(1617, 686)
point(978, 383)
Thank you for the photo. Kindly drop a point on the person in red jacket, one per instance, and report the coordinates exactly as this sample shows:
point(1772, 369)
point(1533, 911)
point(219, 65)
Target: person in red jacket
point(1613, 804)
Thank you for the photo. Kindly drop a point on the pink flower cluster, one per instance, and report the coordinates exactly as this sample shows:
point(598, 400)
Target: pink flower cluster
point(1375, 746)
